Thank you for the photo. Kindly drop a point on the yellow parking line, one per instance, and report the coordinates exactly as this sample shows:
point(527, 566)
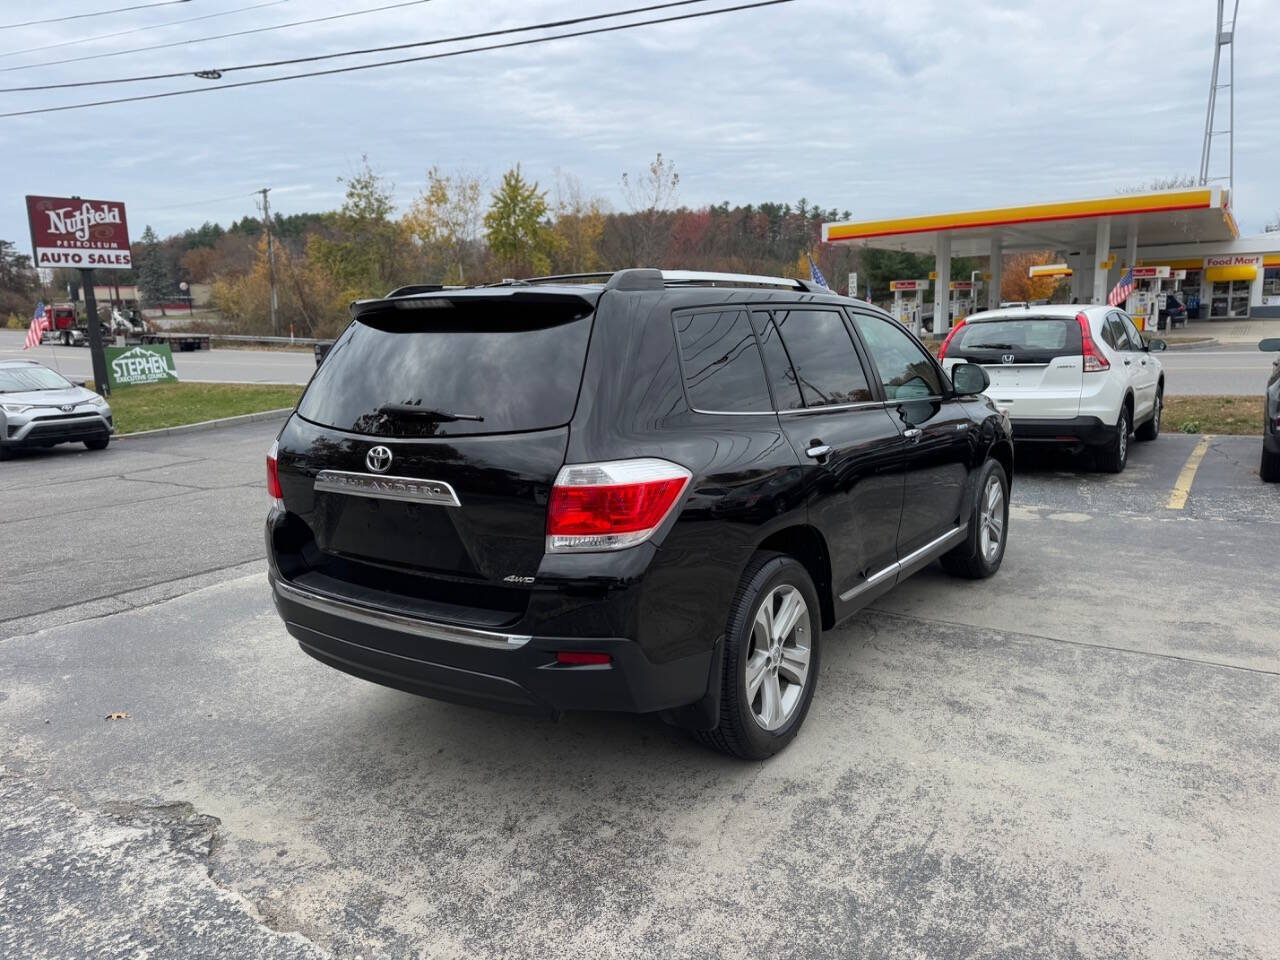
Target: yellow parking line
point(1182, 488)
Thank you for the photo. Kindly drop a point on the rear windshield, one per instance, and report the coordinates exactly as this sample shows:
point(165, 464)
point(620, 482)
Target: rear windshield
point(1027, 340)
point(480, 367)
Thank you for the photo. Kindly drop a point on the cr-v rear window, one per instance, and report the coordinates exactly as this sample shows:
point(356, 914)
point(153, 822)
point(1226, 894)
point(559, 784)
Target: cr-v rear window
point(453, 367)
point(1028, 339)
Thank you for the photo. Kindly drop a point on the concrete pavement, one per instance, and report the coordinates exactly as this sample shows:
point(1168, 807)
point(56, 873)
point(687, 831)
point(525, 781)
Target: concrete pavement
point(1073, 759)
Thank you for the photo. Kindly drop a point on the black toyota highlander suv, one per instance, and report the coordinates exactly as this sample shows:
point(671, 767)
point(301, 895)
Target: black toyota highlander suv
point(651, 492)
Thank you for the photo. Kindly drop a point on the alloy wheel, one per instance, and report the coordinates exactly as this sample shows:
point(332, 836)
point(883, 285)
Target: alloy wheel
point(777, 665)
point(991, 521)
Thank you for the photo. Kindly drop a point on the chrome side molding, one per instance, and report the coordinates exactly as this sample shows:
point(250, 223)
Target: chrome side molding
point(912, 562)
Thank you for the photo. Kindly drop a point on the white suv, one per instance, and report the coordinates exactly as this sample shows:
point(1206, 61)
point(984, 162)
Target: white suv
point(1077, 375)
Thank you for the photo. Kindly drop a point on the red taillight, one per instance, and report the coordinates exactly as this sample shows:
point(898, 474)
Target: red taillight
point(942, 351)
point(273, 476)
point(581, 658)
point(608, 506)
point(1094, 361)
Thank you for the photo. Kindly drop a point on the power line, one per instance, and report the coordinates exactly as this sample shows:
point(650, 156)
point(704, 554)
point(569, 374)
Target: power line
point(221, 36)
point(98, 13)
point(149, 26)
point(389, 63)
point(215, 72)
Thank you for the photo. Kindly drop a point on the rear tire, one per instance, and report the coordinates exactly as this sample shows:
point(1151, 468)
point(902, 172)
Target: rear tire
point(982, 552)
point(1151, 429)
point(66, 338)
point(1113, 457)
point(776, 653)
point(6, 453)
point(1269, 469)
point(98, 443)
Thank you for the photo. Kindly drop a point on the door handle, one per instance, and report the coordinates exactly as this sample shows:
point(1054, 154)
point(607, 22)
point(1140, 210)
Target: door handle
point(818, 451)
point(1128, 363)
point(913, 434)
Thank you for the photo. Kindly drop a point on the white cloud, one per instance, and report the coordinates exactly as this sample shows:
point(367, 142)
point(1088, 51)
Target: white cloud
point(879, 109)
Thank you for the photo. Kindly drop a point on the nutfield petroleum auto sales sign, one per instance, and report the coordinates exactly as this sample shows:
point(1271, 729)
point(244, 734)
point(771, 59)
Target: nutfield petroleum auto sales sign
point(72, 232)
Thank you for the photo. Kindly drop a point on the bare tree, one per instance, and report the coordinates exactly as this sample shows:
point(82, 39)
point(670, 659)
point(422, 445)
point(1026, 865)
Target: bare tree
point(1175, 182)
point(650, 195)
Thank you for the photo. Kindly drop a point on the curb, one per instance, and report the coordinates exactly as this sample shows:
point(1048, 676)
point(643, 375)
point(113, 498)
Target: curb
point(1196, 345)
point(203, 425)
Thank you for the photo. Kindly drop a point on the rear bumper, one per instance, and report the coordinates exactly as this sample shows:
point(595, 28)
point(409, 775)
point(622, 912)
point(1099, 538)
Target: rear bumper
point(484, 668)
point(1076, 430)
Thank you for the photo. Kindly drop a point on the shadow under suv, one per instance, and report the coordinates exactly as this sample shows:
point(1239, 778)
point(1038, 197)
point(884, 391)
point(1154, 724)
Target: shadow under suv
point(654, 492)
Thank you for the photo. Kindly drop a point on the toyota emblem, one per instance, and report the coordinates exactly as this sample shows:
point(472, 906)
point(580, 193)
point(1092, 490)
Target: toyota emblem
point(1007, 358)
point(378, 459)
point(67, 407)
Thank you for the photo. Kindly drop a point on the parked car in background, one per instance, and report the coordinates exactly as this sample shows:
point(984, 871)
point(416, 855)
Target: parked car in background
point(1270, 468)
point(41, 408)
point(651, 493)
point(1072, 375)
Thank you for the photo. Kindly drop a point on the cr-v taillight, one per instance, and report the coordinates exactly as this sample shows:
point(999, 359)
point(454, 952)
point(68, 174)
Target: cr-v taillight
point(1094, 361)
point(942, 351)
point(609, 506)
point(273, 476)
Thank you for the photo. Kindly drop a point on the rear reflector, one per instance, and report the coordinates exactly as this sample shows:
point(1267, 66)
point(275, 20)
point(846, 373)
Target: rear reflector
point(580, 658)
point(273, 476)
point(609, 506)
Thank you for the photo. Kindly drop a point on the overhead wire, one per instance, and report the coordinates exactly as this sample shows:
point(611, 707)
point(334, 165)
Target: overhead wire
point(96, 13)
point(546, 25)
point(613, 28)
point(141, 29)
point(220, 36)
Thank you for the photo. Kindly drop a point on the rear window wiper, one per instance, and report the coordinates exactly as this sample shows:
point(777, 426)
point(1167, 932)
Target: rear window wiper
point(426, 413)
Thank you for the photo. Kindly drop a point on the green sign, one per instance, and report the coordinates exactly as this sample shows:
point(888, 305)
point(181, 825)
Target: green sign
point(145, 363)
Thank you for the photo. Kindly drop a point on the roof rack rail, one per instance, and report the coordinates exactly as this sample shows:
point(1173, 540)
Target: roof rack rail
point(695, 277)
point(643, 278)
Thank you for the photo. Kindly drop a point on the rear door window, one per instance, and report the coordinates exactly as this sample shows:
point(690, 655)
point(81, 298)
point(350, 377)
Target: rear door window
point(1131, 332)
point(777, 365)
point(722, 368)
point(513, 366)
point(827, 368)
point(1026, 340)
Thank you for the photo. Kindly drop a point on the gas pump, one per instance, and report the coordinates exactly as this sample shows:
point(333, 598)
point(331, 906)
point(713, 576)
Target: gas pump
point(909, 314)
point(1147, 300)
point(961, 295)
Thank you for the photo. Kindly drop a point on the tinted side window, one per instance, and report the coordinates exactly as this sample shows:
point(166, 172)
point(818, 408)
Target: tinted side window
point(906, 371)
point(826, 364)
point(722, 368)
point(782, 376)
point(1135, 338)
point(1112, 335)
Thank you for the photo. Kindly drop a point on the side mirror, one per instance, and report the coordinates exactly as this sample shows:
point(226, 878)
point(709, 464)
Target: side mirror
point(1269, 344)
point(1156, 345)
point(969, 378)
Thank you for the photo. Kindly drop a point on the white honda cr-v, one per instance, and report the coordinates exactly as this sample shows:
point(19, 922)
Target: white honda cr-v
point(1070, 374)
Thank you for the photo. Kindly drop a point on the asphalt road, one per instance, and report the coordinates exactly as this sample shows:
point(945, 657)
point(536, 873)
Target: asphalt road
point(1073, 759)
point(1232, 370)
point(216, 366)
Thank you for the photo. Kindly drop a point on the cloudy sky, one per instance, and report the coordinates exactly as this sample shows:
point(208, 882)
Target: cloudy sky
point(881, 109)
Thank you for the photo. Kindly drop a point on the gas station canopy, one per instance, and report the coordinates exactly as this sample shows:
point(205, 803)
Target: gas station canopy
point(1162, 218)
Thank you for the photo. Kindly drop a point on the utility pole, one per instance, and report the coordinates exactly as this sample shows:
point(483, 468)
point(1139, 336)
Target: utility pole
point(271, 259)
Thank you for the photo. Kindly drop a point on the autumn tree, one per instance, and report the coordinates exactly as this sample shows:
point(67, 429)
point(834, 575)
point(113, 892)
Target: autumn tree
point(364, 250)
point(1016, 282)
point(578, 226)
point(650, 194)
point(445, 219)
point(515, 228)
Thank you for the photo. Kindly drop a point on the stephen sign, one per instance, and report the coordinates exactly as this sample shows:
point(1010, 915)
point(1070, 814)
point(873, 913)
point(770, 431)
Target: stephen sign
point(152, 363)
point(86, 234)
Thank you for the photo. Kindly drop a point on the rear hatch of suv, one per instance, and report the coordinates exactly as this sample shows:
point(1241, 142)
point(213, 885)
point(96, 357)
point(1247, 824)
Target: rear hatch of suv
point(417, 469)
point(1036, 363)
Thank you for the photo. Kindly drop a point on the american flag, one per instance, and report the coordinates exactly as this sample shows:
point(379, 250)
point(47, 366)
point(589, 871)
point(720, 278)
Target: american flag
point(39, 324)
point(815, 275)
point(1120, 292)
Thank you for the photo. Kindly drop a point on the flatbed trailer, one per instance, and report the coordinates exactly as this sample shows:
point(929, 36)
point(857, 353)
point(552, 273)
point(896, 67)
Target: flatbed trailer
point(185, 342)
